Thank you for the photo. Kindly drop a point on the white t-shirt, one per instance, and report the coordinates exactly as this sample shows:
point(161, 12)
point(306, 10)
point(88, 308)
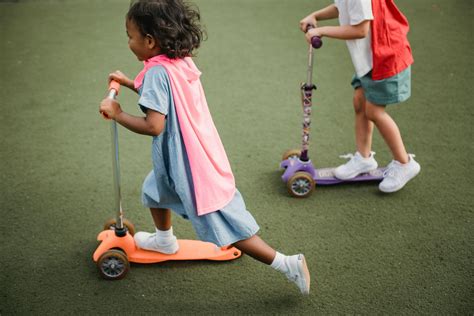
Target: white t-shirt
point(354, 12)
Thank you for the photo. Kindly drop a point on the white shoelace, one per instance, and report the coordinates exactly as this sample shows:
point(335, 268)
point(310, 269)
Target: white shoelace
point(292, 278)
point(346, 156)
point(390, 171)
point(393, 166)
point(351, 155)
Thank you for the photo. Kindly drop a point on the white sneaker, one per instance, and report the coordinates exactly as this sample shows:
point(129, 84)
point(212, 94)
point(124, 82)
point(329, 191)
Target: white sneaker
point(355, 166)
point(298, 272)
point(152, 242)
point(397, 175)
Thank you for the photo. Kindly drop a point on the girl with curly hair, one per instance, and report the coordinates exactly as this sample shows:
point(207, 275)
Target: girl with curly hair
point(191, 173)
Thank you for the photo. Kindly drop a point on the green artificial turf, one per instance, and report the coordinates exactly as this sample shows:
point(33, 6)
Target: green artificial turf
point(368, 253)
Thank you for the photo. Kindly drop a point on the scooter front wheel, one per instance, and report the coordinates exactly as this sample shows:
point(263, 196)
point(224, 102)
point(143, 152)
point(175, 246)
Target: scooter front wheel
point(301, 184)
point(291, 153)
point(113, 264)
point(110, 224)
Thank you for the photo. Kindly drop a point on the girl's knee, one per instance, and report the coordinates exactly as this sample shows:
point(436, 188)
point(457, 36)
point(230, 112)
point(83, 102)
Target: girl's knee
point(374, 112)
point(358, 101)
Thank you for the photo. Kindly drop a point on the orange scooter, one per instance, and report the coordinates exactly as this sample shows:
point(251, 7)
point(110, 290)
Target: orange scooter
point(117, 247)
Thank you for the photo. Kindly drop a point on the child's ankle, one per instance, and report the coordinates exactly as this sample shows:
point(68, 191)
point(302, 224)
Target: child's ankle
point(164, 234)
point(279, 263)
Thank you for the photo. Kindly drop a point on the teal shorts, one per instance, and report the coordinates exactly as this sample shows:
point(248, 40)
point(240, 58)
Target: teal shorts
point(386, 91)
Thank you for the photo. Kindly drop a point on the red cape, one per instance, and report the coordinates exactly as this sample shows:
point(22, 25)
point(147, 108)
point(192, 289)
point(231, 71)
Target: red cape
point(390, 47)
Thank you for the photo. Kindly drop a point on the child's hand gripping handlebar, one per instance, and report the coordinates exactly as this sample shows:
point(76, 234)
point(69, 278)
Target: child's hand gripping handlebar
point(316, 41)
point(114, 88)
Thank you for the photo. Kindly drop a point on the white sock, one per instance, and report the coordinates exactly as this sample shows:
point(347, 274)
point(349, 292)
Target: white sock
point(164, 234)
point(279, 263)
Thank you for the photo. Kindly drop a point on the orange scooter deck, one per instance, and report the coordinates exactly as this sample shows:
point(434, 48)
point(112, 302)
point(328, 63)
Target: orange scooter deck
point(188, 250)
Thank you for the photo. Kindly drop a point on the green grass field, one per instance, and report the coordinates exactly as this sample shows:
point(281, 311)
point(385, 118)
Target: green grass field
point(405, 253)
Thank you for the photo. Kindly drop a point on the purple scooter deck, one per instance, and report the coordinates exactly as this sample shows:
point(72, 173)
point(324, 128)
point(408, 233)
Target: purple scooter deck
point(324, 176)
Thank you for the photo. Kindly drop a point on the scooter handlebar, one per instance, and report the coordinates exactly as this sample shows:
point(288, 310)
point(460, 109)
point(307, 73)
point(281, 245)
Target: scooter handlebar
point(114, 85)
point(316, 41)
point(114, 88)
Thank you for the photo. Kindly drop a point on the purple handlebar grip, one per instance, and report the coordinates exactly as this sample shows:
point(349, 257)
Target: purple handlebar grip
point(316, 42)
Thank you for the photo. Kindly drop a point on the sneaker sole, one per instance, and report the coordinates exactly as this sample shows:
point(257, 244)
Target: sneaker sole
point(353, 175)
point(172, 252)
point(305, 272)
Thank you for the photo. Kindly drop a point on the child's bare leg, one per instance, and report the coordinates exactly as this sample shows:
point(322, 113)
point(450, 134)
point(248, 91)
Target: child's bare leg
point(404, 167)
point(363, 126)
point(363, 160)
point(257, 249)
point(163, 240)
point(388, 129)
point(294, 267)
point(161, 218)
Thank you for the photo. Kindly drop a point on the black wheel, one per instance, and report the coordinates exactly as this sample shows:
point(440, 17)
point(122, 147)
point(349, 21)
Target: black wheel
point(291, 153)
point(110, 224)
point(113, 264)
point(301, 184)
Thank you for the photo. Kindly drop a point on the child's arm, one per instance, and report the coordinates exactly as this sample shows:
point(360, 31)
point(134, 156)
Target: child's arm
point(344, 32)
point(327, 13)
point(122, 79)
point(152, 124)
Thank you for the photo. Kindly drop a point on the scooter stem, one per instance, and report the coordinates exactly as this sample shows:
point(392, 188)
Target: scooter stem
point(120, 229)
point(306, 96)
point(309, 72)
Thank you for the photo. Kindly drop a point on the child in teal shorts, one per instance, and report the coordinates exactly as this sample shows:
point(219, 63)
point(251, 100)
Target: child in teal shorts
point(375, 34)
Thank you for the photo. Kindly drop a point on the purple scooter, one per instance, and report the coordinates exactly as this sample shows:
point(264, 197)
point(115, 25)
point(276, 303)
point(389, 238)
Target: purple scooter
point(300, 175)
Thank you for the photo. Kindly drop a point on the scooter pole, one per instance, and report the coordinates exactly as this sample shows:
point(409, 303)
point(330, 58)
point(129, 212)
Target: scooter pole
point(120, 229)
point(307, 93)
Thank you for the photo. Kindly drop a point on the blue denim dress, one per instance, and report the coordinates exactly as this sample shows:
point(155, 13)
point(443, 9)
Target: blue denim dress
point(170, 185)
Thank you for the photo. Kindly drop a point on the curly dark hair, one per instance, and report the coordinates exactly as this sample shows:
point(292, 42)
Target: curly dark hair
point(174, 24)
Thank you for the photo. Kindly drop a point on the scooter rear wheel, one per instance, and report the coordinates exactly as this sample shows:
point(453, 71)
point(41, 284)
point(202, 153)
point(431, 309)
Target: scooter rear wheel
point(113, 264)
point(301, 184)
point(110, 224)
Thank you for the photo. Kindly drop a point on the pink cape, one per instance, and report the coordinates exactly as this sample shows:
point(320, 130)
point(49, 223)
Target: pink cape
point(214, 184)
